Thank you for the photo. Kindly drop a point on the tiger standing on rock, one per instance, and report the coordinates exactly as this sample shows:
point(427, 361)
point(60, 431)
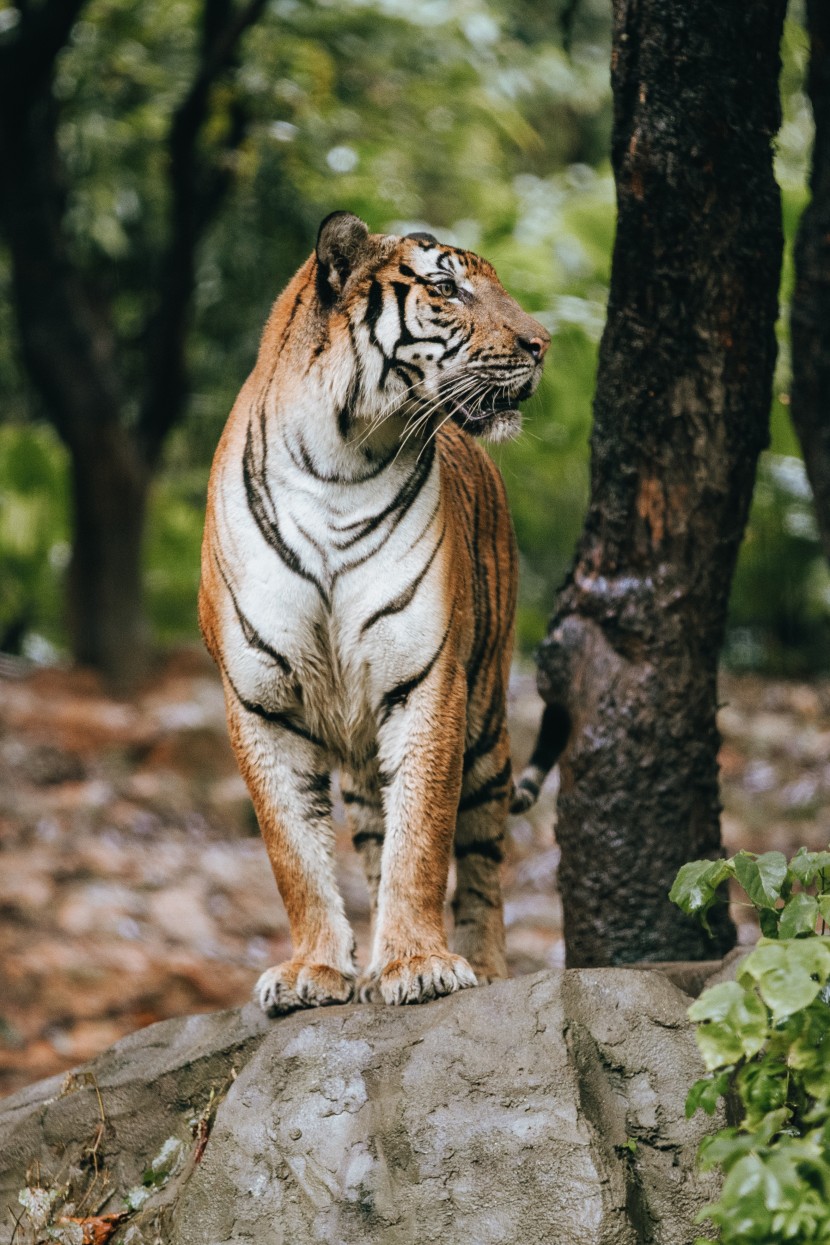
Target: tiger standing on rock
point(358, 595)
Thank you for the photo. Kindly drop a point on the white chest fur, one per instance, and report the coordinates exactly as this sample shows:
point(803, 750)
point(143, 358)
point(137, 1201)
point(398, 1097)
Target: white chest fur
point(333, 582)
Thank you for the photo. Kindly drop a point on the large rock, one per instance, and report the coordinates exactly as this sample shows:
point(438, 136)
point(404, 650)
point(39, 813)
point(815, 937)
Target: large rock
point(545, 1109)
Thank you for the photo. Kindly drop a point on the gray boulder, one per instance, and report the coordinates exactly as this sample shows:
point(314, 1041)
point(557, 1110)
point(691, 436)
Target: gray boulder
point(545, 1109)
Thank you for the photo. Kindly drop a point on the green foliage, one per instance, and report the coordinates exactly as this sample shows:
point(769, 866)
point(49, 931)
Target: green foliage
point(765, 1040)
point(34, 534)
point(779, 617)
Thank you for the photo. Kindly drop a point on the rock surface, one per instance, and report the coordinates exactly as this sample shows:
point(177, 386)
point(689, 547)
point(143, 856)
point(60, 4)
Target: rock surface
point(549, 1108)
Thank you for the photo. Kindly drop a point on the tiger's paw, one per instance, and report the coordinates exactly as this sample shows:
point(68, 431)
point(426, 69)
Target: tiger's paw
point(487, 973)
point(417, 979)
point(297, 983)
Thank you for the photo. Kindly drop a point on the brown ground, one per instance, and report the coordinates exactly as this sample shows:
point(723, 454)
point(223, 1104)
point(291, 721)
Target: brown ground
point(134, 886)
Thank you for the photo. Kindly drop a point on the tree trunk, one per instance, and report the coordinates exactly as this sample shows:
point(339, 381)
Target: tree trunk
point(109, 630)
point(810, 318)
point(680, 416)
point(69, 338)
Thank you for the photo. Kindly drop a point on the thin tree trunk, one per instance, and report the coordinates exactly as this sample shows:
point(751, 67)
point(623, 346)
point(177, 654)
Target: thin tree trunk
point(810, 317)
point(110, 482)
point(680, 416)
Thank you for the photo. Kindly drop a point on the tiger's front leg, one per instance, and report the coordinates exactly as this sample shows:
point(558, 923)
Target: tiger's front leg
point(288, 778)
point(421, 740)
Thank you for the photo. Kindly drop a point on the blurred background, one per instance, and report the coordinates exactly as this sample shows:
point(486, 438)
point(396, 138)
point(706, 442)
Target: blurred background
point(132, 882)
point(469, 119)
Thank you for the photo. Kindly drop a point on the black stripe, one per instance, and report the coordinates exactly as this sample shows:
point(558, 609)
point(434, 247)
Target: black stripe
point(489, 901)
point(405, 337)
point(344, 421)
point(302, 460)
point(260, 503)
point(406, 370)
point(528, 785)
point(399, 505)
point(317, 790)
point(346, 413)
point(485, 743)
point(273, 716)
point(494, 789)
point(400, 693)
point(374, 309)
point(367, 836)
point(249, 631)
point(353, 797)
point(311, 540)
point(406, 271)
point(404, 598)
point(490, 849)
point(279, 719)
point(290, 318)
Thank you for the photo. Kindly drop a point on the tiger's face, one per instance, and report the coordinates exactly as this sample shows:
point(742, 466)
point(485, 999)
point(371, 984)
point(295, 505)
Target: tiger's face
point(437, 334)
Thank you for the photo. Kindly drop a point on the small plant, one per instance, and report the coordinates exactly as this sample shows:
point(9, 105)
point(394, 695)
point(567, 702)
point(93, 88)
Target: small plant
point(765, 1040)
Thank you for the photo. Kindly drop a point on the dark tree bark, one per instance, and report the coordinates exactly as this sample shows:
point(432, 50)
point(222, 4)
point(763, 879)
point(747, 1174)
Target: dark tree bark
point(680, 416)
point(810, 315)
point(69, 342)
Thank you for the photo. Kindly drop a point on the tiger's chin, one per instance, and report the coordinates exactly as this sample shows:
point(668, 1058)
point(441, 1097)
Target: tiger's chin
point(494, 426)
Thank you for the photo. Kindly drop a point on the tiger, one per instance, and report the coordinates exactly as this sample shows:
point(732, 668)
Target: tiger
point(358, 593)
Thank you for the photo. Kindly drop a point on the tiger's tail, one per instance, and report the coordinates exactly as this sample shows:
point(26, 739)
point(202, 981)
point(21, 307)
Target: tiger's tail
point(550, 743)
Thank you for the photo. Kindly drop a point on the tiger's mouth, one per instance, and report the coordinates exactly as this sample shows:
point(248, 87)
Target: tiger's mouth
point(494, 415)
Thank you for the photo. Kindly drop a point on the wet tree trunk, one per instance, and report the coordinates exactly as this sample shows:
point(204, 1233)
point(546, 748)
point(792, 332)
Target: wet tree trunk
point(680, 416)
point(107, 621)
point(810, 320)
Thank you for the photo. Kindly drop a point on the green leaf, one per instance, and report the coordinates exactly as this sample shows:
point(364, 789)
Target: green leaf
point(810, 955)
point(786, 972)
point(798, 916)
point(768, 918)
point(717, 1002)
point(763, 877)
point(824, 908)
point(766, 957)
point(705, 1093)
point(695, 888)
point(807, 865)
point(732, 1024)
point(787, 990)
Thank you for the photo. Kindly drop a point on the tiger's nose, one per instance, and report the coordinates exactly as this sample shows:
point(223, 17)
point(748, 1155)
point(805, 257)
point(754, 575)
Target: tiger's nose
point(537, 346)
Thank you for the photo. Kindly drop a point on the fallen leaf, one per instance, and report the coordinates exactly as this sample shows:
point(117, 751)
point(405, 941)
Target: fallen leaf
point(97, 1229)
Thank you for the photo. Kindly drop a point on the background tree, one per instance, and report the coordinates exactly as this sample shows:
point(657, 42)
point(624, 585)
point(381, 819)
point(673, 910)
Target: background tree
point(810, 319)
point(112, 392)
point(680, 415)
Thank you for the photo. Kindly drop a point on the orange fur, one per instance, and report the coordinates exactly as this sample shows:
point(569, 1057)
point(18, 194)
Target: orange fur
point(358, 594)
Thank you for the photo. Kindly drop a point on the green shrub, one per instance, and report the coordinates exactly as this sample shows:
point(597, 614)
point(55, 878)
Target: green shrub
point(765, 1040)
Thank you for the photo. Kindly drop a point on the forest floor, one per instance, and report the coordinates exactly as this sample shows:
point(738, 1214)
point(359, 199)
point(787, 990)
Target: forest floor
point(134, 885)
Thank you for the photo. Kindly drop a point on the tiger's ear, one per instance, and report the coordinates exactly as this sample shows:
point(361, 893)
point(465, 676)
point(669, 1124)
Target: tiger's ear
point(342, 242)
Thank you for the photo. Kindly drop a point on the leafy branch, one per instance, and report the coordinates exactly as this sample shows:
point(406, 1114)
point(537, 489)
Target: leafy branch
point(765, 1040)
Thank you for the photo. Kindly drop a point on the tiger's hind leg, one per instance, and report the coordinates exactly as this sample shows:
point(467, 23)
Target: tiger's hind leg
point(479, 850)
point(361, 796)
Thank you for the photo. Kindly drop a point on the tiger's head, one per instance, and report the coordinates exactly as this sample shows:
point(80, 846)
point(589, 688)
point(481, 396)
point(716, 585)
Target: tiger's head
point(434, 333)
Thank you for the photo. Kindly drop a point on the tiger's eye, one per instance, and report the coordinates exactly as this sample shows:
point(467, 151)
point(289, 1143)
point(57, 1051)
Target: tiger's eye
point(446, 288)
